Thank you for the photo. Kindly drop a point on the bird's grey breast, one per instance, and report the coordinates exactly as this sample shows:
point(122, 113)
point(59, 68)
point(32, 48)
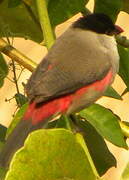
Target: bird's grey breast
point(110, 46)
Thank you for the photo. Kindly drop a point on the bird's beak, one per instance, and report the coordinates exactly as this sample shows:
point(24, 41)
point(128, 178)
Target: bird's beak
point(118, 30)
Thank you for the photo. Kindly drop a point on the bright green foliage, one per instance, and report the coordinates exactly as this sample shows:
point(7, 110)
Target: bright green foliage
point(105, 122)
point(51, 155)
point(16, 21)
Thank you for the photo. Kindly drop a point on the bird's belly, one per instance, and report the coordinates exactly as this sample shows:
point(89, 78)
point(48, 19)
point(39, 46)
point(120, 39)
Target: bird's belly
point(89, 94)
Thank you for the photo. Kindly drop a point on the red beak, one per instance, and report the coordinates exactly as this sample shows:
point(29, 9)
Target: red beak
point(118, 30)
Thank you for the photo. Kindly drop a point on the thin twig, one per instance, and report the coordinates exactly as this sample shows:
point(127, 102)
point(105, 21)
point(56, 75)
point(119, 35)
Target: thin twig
point(9, 79)
point(15, 77)
point(14, 70)
point(20, 74)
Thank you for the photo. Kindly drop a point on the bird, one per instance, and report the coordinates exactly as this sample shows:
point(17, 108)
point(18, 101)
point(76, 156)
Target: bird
point(79, 67)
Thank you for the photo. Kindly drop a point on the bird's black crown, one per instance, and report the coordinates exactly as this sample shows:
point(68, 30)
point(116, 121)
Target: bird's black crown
point(97, 22)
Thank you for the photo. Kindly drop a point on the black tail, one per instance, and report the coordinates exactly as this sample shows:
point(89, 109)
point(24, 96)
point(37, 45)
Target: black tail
point(16, 140)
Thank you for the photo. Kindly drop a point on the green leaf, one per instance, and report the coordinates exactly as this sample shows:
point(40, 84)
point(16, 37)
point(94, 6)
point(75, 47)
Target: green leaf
point(3, 70)
point(3, 131)
point(17, 22)
point(102, 157)
point(81, 140)
point(2, 173)
point(3, 65)
point(111, 92)
point(14, 3)
point(20, 99)
point(16, 119)
point(125, 174)
point(125, 6)
point(105, 122)
point(20, 22)
point(1, 145)
point(61, 10)
point(51, 155)
point(51, 124)
point(64, 122)
point(109, 7)
point(2, 170)
point(124, 64)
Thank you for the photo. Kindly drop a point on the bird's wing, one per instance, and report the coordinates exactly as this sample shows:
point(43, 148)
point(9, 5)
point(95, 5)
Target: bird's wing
point(72, 63)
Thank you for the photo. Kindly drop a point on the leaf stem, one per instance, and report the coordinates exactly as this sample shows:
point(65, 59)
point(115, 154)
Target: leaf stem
point(16, 55)
point(81, 140)
point(45, 23)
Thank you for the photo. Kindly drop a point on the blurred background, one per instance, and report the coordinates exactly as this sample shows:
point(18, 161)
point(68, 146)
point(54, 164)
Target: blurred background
point(36, 53)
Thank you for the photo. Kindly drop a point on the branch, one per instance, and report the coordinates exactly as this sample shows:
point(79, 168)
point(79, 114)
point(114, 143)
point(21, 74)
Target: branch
point(45, 23)
point(17, 55)
point(122, 40)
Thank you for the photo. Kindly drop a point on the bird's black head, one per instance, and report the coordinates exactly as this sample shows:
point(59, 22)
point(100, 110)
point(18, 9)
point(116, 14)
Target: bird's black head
point(99, 23)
